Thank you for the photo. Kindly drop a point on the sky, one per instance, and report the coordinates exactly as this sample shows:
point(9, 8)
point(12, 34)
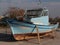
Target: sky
point(52, 5)
point(50, 0)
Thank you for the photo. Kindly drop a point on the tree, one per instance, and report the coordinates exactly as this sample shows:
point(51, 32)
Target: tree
point(16, 13)
point(54, 20)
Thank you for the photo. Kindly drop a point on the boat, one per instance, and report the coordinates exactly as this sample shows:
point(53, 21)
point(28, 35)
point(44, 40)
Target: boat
point(29, 21)
point(33, 17)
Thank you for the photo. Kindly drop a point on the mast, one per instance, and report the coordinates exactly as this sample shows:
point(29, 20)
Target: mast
point(39, 3)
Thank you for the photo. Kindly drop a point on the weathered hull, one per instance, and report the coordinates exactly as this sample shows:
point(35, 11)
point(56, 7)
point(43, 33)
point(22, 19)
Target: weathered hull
point(29, 35)
point(21, 28)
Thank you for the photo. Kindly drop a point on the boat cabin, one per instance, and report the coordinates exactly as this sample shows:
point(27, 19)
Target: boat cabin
point(37, 16)
point(33, 13)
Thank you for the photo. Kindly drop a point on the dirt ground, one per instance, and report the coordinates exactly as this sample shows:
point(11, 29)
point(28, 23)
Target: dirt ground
point(6, 38)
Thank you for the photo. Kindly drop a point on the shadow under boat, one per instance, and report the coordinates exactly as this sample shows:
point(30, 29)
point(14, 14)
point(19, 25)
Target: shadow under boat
point(7, 37)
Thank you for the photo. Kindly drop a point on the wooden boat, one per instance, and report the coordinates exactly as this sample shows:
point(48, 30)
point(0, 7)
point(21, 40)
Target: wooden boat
point(37, 17)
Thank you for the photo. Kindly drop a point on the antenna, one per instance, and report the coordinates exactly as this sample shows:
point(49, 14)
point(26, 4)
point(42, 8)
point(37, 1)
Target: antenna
point(39, 2)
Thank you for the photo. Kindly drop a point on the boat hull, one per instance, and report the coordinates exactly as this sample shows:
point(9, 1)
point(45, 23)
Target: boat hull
point(20, 28)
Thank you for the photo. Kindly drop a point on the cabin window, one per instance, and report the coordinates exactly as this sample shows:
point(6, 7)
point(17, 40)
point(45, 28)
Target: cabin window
point(33, 14)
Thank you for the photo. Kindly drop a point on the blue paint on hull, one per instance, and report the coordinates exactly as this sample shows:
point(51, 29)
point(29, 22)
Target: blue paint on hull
point(19, 27)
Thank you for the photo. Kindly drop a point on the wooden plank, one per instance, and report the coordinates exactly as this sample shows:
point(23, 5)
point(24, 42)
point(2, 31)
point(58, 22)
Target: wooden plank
point(38, 35)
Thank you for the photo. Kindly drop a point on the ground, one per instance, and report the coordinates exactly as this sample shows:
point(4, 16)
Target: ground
point(7, 39)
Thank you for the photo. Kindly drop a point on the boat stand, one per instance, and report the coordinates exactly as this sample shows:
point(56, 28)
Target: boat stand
point(38, 34)
point(51, 34)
